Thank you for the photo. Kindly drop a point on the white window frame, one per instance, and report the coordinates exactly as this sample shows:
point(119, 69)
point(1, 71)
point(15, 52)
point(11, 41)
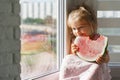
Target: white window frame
point(60, 37)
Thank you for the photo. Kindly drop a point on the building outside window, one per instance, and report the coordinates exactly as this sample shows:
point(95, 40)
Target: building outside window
point(39, 38)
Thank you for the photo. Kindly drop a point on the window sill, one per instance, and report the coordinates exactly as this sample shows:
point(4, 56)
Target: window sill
point(115, 71)
point(54, 76)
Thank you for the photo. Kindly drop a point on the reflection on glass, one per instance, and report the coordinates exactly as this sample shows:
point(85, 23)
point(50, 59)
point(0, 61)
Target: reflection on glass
point(38, 38)
point(109, 31)
point(114, 48)
point(108, 14)
point(113, 32)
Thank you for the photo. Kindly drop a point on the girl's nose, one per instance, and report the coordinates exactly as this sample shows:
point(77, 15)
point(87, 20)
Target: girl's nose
point(77, 30)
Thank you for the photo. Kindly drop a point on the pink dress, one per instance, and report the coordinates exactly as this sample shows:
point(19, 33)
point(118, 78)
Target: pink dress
point(73, 68)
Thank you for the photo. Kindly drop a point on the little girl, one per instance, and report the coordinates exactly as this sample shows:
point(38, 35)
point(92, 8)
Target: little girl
point(83, 22)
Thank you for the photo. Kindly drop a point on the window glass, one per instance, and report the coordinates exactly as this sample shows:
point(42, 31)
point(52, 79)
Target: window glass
point(38, 37)
point(108, 14)
point(110, 31)
point(108, 22)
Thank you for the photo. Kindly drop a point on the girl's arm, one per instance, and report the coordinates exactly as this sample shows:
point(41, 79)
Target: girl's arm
point(74, 48)
point(107, 57)
point(103, 59)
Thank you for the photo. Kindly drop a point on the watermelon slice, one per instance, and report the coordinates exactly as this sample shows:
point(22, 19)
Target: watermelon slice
point(90, 49)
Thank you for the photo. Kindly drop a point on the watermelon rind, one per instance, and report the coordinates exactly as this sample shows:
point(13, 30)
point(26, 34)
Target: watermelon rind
point(101, 54)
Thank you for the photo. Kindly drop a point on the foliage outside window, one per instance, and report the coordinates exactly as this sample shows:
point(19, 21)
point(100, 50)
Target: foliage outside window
point(38, 38)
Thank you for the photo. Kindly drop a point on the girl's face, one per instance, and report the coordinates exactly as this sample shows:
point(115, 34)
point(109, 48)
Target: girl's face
point(81, 28)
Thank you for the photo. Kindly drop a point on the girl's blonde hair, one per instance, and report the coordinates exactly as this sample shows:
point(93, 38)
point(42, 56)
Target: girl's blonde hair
point(83, 13)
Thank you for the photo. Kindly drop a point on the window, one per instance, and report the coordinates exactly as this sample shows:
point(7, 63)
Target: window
point(108, 21)
point(42, 37)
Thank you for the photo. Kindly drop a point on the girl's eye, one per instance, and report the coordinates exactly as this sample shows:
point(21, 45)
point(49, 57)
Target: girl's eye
point(81, 27)
point(74, 28)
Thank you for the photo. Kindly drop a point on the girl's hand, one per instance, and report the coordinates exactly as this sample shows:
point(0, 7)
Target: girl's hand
point(103, 59)
point(74, 48)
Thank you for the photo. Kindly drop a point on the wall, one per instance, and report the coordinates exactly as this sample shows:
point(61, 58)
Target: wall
point(9, 40)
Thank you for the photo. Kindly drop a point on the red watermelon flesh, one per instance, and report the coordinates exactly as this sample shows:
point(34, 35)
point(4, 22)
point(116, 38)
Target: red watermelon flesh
point(90, 49)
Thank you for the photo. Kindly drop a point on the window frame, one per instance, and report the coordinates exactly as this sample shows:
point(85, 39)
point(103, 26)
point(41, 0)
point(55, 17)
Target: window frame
point(61, 4)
